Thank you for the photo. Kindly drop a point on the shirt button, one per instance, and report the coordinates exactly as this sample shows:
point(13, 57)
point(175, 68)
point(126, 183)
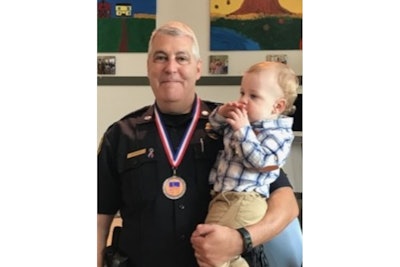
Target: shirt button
point(181, 206)
point(204, 113)
point(182, 237)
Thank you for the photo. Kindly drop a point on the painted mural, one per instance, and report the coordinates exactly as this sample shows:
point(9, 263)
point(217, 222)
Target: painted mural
point(125, 25)
point(255, 25)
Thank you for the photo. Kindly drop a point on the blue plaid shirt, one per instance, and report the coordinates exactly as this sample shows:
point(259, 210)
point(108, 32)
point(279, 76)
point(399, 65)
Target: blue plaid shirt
point(247, 151)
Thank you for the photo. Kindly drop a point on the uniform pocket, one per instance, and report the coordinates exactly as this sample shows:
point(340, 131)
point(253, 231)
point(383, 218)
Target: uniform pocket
point(139, 179)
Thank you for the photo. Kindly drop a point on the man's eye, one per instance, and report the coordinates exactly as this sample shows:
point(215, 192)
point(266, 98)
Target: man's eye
point(182, 60)
point(160, 58)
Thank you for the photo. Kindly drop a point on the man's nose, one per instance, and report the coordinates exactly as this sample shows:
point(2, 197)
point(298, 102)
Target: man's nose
point(171, 65)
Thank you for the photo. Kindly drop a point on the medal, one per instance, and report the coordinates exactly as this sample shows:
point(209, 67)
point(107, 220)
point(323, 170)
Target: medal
point(174, 187)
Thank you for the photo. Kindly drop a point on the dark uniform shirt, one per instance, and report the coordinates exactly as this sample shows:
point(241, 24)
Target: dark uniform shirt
point(132, 166)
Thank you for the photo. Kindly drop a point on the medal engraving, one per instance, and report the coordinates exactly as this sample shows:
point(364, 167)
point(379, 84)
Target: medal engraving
point(174, 187)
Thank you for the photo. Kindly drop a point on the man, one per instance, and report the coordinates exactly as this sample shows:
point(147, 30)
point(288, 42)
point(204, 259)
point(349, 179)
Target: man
point(153, 167)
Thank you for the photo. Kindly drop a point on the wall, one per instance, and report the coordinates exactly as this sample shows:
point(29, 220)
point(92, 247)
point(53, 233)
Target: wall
point(113, 102)
point(196, 15)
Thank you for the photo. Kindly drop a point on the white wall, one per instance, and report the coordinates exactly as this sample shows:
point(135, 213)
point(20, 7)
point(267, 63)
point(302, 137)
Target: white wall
point(113, 102)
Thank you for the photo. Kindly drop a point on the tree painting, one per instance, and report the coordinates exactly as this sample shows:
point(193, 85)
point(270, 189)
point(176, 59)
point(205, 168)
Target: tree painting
point(255, 25)
point(125, 26)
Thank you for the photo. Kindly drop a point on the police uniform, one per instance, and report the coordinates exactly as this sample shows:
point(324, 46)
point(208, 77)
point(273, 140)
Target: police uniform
point(132, 169)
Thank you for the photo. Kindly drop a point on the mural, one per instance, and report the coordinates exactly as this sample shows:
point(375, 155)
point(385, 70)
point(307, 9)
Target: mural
point(255, 25)
point(125, 26)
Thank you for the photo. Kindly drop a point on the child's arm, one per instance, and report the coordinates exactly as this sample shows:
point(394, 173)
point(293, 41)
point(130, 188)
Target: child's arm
point(269, 153)
point(266, 150)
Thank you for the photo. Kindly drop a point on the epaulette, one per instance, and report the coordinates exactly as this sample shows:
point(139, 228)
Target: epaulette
point(137, 113)
point(211, 105)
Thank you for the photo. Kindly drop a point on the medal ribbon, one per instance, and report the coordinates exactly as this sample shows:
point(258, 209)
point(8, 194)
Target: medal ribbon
point(176, 158)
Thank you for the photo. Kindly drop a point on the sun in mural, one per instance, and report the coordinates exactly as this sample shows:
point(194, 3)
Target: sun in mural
point(294, 6)
point(224, 7)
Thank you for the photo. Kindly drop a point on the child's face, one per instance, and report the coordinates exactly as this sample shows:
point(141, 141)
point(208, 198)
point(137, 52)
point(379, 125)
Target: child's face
point(259, 92)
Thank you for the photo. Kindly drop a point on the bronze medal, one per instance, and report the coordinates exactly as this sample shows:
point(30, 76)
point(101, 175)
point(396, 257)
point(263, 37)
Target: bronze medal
point(174, 187)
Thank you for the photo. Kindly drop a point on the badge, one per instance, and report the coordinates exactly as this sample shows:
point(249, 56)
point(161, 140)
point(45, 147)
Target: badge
point(136, 153)
point(174, 187)
point(210, 132)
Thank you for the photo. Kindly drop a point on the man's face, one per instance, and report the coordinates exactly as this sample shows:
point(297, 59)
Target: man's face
point(172, 69)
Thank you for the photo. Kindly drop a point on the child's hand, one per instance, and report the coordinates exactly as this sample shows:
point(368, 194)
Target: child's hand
point(238, 118)
point(226, 109)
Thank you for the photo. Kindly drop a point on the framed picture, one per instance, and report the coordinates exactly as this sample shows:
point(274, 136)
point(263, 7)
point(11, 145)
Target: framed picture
point(106, 65)
point(218, 64)
point(277, 58)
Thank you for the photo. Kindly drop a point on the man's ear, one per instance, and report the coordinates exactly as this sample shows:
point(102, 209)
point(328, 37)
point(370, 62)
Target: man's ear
point(280, 106)
point(198, 75)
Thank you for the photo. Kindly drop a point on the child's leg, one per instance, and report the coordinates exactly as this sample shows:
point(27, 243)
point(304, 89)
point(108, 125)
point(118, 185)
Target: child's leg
point(234, 209)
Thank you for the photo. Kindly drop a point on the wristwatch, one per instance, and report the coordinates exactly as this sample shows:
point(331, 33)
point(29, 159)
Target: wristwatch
point(247, 244)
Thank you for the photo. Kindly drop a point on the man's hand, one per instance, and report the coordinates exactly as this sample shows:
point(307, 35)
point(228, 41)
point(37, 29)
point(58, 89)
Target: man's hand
point(215, 244)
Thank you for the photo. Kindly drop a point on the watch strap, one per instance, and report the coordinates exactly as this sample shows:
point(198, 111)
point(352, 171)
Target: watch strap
point(247, 243)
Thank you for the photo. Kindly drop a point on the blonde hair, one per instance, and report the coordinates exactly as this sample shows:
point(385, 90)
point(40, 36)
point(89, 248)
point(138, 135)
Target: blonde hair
point(286, 78)
point(177, 28)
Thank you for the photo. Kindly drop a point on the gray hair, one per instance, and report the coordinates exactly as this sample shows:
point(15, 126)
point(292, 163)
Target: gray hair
point(176, 28)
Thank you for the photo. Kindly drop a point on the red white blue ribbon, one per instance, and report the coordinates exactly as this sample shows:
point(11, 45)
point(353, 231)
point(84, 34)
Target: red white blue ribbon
point(176, 158)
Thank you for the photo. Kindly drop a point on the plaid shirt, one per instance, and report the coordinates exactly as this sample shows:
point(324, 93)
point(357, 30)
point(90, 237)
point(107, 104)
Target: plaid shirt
point(247, 151)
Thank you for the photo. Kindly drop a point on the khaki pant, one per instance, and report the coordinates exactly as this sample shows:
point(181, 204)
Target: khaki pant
point(235, 210)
